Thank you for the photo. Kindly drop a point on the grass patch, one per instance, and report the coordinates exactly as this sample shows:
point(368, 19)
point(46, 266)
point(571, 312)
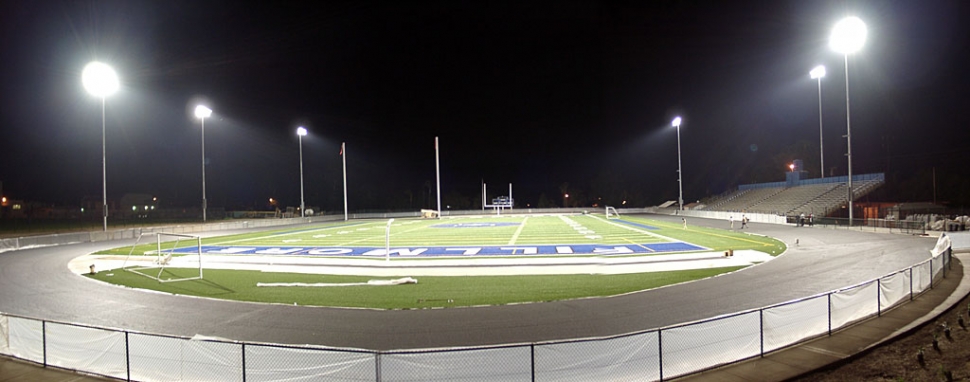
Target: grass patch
point(430, 292)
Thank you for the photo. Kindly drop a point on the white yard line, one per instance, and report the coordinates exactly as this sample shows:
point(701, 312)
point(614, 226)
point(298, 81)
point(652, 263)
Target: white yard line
point(379, 236)
point(515, 236)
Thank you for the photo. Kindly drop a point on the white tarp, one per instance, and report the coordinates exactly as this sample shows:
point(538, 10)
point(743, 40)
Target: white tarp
point(4, 335)
point(942, 244)
point(893, 289)
point(494, 364)
point(26, 338)
point(94, 350)
point(921, 277)
point(854, 304)
point(400, 281)
point(938, 263)
point(156, 358)
point(699, 346)
point(631, 358)
point(270, 363)
point(790, 323)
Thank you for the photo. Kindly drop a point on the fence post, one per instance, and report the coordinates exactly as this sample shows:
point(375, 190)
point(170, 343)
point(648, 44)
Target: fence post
point(377, 365)
point(660, 352)
point(830, 313)
point(931, 273)
point(43, 336)
point(532, 348)
point(761, 329)
point(878, 297)
point(910, 283)
point(127, 357)
point(244, 361)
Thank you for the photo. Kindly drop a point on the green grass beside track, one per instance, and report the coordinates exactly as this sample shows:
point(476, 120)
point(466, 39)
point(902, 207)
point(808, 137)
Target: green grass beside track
point(429, 292)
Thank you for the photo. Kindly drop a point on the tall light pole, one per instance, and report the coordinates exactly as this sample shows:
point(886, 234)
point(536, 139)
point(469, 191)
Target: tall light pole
point(680, 175)
point(343, 156)
point(101, 81)
point(202, 112)
point(817, 73)
point(848, 36)
point(300, 132)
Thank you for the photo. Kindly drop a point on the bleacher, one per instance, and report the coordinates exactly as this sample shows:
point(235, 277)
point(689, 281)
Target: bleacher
point(745, 199)
point(811, 196)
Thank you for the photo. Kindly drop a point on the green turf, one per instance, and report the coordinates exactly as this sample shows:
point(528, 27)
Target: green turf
point(461, 291)
point(531, 230)
point(429, 292)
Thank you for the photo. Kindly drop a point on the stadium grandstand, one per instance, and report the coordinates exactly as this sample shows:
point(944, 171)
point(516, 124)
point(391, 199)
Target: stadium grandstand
point(819, 197)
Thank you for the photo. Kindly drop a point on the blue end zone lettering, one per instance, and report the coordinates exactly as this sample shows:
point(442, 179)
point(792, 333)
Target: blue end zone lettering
point(494, 250)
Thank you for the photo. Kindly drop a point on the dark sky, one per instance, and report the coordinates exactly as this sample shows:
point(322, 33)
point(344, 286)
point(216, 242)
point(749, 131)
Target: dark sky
point(535, 93)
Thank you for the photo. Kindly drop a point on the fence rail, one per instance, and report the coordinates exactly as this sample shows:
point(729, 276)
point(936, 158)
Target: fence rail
point(655, 354)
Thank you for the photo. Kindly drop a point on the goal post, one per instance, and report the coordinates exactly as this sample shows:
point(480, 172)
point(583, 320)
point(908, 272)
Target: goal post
point(611, 213)
point(165, 247)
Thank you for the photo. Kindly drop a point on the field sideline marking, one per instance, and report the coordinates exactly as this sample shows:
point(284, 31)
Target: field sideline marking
point(723, 236)
point(283, 234)
point(634, 229)
point(739, 238)
point(515, 236)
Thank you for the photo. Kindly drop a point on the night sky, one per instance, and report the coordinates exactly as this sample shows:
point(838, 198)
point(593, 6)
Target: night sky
point(549, 96)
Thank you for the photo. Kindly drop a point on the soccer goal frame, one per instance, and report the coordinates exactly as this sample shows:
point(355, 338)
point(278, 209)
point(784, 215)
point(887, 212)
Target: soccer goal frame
point(163, 257)
point(611, 213)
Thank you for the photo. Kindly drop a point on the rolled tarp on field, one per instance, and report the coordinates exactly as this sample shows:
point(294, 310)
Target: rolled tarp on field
point(400, 281)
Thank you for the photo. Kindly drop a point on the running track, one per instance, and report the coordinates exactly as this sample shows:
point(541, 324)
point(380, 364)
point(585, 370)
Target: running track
point(36, 283)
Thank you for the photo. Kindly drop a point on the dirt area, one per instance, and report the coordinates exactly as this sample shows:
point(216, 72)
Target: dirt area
point(899, 360)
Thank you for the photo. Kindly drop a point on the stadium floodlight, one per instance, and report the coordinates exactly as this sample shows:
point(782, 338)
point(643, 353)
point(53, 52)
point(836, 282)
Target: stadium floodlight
point(680, 178)
point(300, 132)
point(816, 74)
point(101, 81)
point(848, 36)
point(202, 112)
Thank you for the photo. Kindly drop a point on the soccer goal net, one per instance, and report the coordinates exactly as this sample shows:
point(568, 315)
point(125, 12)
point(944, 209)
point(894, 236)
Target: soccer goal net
point(611, 213)
point(170, 251)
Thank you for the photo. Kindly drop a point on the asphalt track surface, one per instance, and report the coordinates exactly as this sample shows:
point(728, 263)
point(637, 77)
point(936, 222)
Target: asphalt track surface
point(37, 283)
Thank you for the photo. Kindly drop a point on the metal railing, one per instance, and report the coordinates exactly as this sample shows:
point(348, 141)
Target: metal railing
point(656, 354)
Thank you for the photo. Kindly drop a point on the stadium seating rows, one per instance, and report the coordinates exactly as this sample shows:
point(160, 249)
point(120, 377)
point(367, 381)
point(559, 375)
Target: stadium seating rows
point(817, 199)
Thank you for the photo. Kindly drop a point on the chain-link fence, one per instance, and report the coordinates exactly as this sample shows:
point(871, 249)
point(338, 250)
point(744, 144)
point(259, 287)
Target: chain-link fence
point(656, 354)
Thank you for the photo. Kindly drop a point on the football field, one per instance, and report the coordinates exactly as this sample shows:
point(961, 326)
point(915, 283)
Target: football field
point(465, 244)
point(530, 235)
